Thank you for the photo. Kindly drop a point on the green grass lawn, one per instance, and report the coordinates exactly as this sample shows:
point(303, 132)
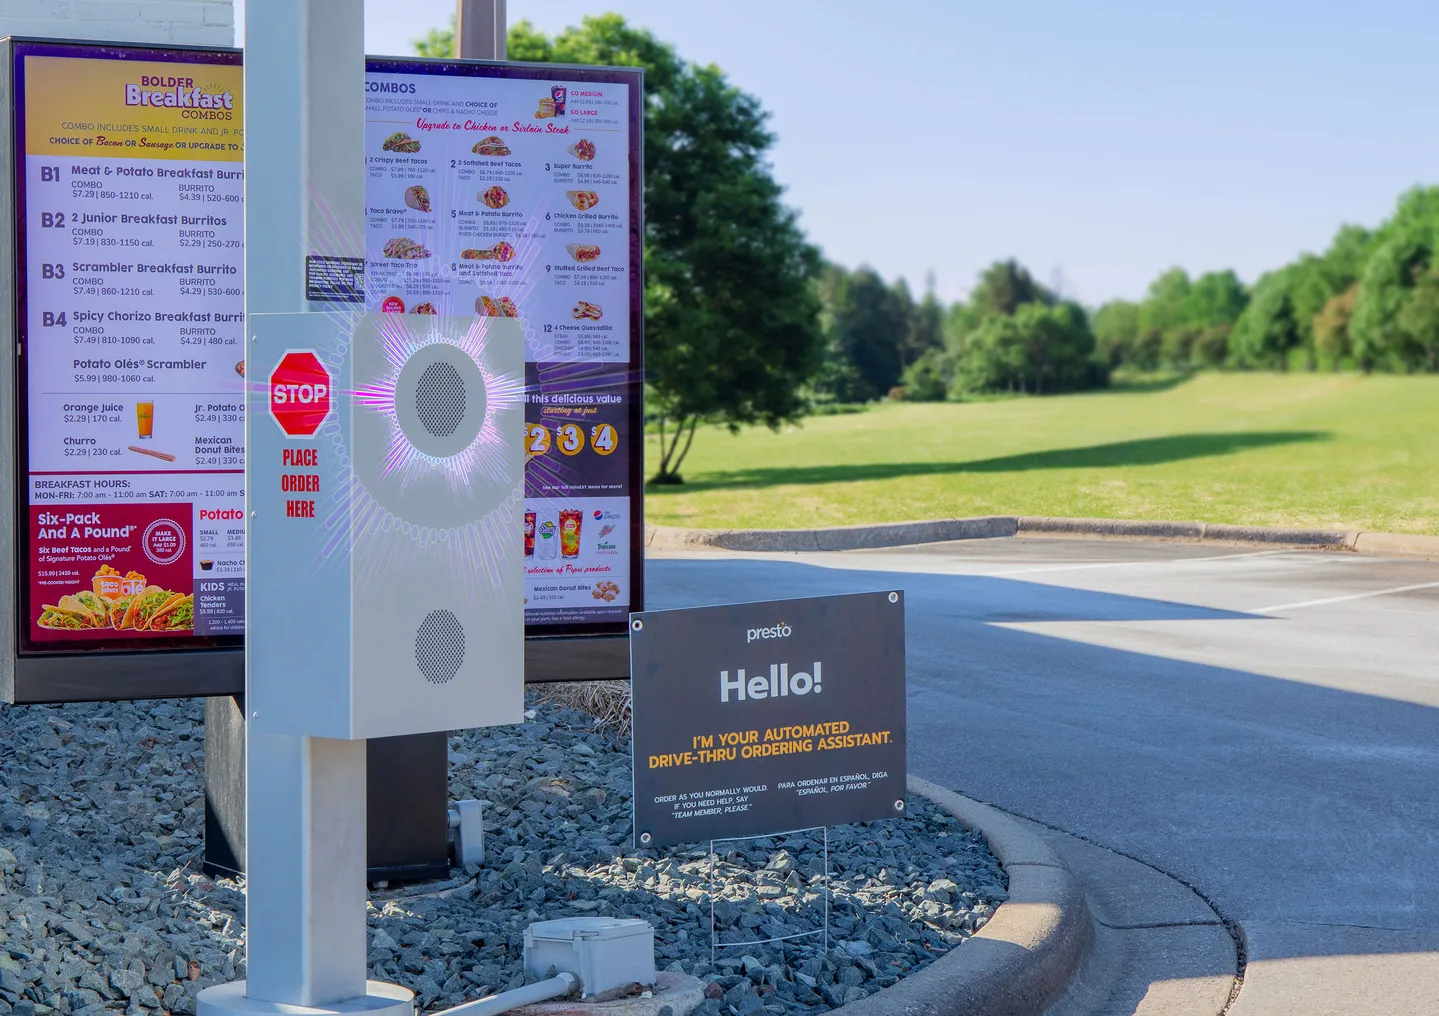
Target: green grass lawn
point(1262, 449)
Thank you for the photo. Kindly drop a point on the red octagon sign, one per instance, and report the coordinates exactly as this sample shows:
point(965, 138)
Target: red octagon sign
point(301, 393)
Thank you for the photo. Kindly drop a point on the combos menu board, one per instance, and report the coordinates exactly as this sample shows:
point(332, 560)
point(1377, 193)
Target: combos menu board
point(129, 183)
point(505, 191)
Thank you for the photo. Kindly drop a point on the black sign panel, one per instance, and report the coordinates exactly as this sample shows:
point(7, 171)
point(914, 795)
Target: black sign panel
point(334, 279)
point(759, 718)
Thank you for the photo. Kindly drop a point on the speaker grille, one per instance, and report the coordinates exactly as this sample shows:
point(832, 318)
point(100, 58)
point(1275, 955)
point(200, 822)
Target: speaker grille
point(440, 646)
point(440, 399)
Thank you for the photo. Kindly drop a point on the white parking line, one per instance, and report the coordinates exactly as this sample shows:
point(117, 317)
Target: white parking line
point(1129, 564)
point(1342, 599)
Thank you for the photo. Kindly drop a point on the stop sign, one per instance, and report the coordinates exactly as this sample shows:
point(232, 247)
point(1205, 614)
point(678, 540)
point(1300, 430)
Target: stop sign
point(301, 393)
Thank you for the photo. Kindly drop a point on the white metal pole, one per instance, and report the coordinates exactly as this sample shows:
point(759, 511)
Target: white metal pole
point(480, 29)
point(305, 796)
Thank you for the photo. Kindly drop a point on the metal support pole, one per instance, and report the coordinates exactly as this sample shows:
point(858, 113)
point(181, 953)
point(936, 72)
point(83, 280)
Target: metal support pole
point(305, 796)
point(480, 29)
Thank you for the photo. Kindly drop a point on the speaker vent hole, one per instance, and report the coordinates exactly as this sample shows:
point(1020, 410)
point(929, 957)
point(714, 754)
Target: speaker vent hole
point(440, 399)
point(440, 646)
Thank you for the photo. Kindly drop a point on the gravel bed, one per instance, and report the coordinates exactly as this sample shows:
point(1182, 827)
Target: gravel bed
point(103, 907)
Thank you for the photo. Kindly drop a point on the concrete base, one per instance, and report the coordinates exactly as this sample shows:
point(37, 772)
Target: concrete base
point(680, 992)
point(230, 1000)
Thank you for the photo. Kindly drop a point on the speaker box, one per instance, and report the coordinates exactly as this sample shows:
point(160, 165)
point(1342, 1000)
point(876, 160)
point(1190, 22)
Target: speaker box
point(398, 607)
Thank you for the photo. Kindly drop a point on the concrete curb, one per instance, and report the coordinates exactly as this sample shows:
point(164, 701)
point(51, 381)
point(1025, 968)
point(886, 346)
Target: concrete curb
point(1287, 536)
point(901, 534)
point(1400, 544)
point(1024, 958)
point(885, 534)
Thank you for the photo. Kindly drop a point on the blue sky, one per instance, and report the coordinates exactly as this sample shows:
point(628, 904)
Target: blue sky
point(1097, 142)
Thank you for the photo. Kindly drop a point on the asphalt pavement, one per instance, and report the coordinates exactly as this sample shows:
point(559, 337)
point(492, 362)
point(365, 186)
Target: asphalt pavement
point(1260, 725)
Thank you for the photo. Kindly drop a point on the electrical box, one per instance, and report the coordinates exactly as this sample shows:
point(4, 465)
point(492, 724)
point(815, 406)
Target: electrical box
point(384, 492)
point(608, 953)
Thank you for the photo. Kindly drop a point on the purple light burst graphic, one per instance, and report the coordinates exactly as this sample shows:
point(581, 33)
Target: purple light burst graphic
point(485, 453)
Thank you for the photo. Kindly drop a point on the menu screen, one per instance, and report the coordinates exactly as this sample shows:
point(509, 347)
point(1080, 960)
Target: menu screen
point(511, 191)
point(130, 189)
point(492, 190)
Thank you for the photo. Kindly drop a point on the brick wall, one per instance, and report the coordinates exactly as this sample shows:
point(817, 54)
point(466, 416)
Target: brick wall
point(187, 22)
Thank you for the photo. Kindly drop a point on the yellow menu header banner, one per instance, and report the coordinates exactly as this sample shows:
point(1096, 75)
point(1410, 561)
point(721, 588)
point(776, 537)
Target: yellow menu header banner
point(133, 109)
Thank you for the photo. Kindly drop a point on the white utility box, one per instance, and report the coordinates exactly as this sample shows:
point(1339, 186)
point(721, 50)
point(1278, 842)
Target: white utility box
point(608, 953)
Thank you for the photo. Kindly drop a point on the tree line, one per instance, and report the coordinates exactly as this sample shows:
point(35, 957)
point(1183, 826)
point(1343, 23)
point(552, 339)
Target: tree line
point(1369, 302)
point(1012, 335)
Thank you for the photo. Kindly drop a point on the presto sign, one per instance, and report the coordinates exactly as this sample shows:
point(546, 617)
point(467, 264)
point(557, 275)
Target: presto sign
point(745, 725)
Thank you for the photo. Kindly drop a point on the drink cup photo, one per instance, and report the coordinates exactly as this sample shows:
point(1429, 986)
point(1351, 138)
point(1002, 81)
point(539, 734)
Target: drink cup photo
point(548, 536)
point(145, 419)
point(570, 521)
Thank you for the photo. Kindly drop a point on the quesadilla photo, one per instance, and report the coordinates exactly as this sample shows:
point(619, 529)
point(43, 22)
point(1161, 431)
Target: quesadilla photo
point(417, 198)
point(491, 146)
point(177, 614)
point(586, 311)
point(584, 200)
point(583, 252)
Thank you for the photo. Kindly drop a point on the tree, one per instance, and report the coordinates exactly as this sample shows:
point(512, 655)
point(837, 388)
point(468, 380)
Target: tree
point(731, 317)
point(1004, 287)
point(1419, 321)
point(1331, 326)
point(439, 42)
point(1116, 327)
point(928, 378)
point(868, 328)
point(1268, 329)
point(1215, 298)
point(1165, 305)
point(926, 324)
point(1040, 349)
point(1211, 348)
point(1375, 333)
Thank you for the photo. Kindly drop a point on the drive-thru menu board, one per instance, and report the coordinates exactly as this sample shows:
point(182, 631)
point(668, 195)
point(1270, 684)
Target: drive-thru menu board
point(495, 190)
point(508, 191)
point(130, 249)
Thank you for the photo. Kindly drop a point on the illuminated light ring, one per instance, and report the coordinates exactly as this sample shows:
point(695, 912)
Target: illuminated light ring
point(379, 536)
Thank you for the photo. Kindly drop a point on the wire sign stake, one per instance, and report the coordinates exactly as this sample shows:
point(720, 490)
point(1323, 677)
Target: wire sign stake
point(716, 944)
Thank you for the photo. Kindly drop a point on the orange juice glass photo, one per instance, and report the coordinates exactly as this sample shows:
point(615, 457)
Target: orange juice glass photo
point(145, 418)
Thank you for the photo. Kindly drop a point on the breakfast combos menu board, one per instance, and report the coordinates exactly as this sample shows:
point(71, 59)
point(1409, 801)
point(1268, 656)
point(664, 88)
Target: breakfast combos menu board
point(510, 197)
point(132, 317)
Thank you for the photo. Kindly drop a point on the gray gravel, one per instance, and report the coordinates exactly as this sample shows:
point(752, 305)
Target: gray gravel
point(103, 906)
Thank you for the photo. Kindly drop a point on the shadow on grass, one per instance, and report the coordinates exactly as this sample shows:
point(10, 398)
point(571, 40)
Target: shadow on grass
point(1148, 451)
